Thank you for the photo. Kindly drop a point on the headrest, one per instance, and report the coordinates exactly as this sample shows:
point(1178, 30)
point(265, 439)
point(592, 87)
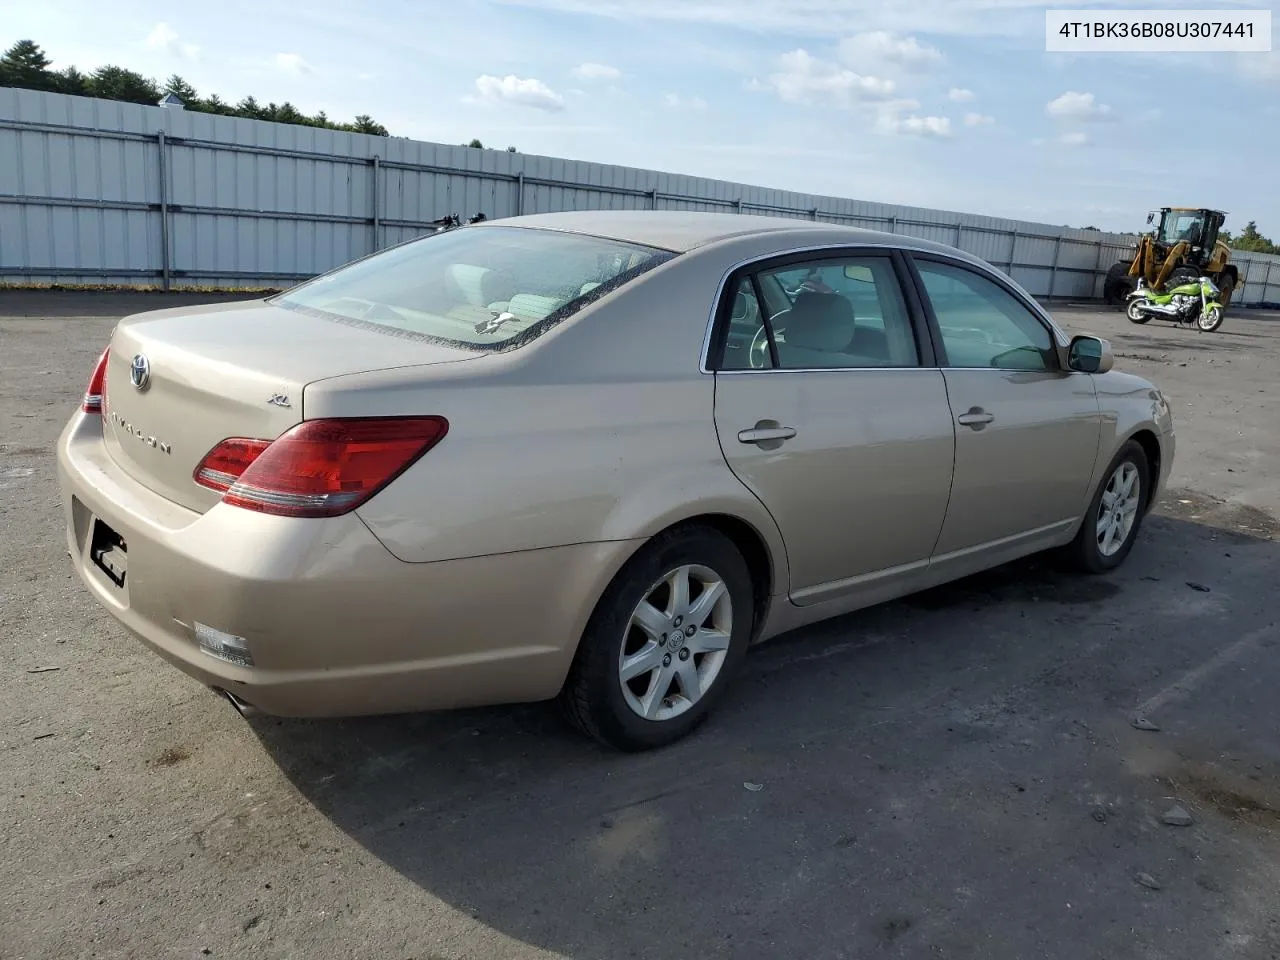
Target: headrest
point(820, 321)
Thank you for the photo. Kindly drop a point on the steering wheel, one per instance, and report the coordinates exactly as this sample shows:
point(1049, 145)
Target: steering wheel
point(758, 357)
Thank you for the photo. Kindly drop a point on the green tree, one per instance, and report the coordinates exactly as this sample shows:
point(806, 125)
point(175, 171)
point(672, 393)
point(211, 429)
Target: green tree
point(182, 90)
point(72, 81)
point(1253, 241)
point(476, 144)
point(215, 104)
point(248, 107)
point(366, 124)
point(25, 65)
point(117, 83)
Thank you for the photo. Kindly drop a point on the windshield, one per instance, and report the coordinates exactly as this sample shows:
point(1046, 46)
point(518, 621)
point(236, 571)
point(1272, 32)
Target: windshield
point(1181, 226)
point(486, 287)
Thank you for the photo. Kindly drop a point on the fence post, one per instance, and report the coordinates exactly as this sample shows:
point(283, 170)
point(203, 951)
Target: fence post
point(893, 224)
point(1013, 249)
point(959, 230)
point(376, 162)
point(1053, 272)
point(1266, 284)
point(162, 144)
point(1097, 269)
point(813, 214)
point(520, 193)
point(653, 199)
point(737, 205)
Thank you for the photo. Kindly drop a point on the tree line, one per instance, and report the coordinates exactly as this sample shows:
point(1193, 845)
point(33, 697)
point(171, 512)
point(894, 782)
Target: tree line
point(26, 65)
point(1249, 239)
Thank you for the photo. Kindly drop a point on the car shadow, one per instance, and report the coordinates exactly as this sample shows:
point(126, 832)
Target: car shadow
point(868, 785)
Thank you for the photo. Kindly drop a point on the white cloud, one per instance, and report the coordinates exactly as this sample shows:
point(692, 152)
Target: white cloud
point(977, 119)
point(1074, 139)
point(164, 37)
point(960, 95)
point(879, 48)
point(521, 92)
point(1077, 106)
point(892, 122)
point(596, 71)
point(292, 63)
point(687, 103)
point(803, 77)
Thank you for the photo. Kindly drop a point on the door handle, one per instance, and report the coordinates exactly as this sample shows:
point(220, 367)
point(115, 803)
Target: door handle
point(976, 418)
point(761, 434)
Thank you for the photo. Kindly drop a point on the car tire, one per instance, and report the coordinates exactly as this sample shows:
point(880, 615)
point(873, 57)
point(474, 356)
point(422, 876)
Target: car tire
point(1110, 526)
point(640, 713)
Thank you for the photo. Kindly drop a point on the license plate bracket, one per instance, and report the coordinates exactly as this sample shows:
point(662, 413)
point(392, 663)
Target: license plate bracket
point(109, 553)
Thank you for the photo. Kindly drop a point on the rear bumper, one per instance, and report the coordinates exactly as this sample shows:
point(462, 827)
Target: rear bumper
point(336, 625)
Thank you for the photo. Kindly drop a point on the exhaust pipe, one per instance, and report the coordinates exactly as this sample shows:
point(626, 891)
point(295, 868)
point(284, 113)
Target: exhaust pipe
point(246, 710)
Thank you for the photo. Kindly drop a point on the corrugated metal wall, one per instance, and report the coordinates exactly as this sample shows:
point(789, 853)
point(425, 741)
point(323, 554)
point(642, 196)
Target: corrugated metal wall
point(94, 191)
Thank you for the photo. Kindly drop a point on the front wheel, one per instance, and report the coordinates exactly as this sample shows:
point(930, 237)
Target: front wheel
point(1210, 320)
point(1134, 310)
point(664, 641)
point(1111, 524)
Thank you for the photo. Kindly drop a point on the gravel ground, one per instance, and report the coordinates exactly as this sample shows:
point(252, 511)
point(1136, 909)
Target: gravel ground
point(956, 775)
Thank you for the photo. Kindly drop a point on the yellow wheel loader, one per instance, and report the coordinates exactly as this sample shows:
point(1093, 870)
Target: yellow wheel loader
point(1181, 247)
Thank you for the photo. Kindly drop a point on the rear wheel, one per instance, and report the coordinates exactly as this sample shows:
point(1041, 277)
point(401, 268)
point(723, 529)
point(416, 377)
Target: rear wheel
point(664, 641)
point(1110, 526)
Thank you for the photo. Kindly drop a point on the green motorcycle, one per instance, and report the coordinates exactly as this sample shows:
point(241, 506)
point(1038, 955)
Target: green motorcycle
point(1193, 303)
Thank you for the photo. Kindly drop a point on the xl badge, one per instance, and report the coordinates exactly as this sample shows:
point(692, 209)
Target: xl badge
point(279, 400)
point(140, 371)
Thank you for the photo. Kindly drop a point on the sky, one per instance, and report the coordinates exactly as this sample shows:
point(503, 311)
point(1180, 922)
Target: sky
point(950, 104)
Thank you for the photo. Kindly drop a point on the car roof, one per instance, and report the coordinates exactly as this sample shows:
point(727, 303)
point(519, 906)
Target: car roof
point(684, 230)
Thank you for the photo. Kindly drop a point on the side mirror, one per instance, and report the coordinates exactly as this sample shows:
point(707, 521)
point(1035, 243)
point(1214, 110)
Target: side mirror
point(1151, 218)
point(1090, 355)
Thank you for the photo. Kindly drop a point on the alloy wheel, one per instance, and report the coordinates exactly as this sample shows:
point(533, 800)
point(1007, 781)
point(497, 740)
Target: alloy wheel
point(1118, 509)
point(675, 642)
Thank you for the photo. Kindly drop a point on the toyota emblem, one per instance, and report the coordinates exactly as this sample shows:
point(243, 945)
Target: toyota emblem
point(140, 371)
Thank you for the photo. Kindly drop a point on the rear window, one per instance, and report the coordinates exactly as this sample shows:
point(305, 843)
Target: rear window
point(486, 287)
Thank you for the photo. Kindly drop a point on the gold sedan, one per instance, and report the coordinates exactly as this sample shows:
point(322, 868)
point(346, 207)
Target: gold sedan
point(588, 456)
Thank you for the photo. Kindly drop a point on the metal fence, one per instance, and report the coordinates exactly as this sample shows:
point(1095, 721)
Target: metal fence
point(95, 191)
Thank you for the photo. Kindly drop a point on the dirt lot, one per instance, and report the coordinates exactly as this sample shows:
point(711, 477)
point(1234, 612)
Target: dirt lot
point(951, 776)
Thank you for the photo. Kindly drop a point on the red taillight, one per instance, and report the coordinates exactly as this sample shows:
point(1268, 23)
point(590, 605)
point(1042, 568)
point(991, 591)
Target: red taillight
point(320, 468)
point(224, 464)
point(96, 391)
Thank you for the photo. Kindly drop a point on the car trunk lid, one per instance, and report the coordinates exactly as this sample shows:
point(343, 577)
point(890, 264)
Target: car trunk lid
point(180, 381)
